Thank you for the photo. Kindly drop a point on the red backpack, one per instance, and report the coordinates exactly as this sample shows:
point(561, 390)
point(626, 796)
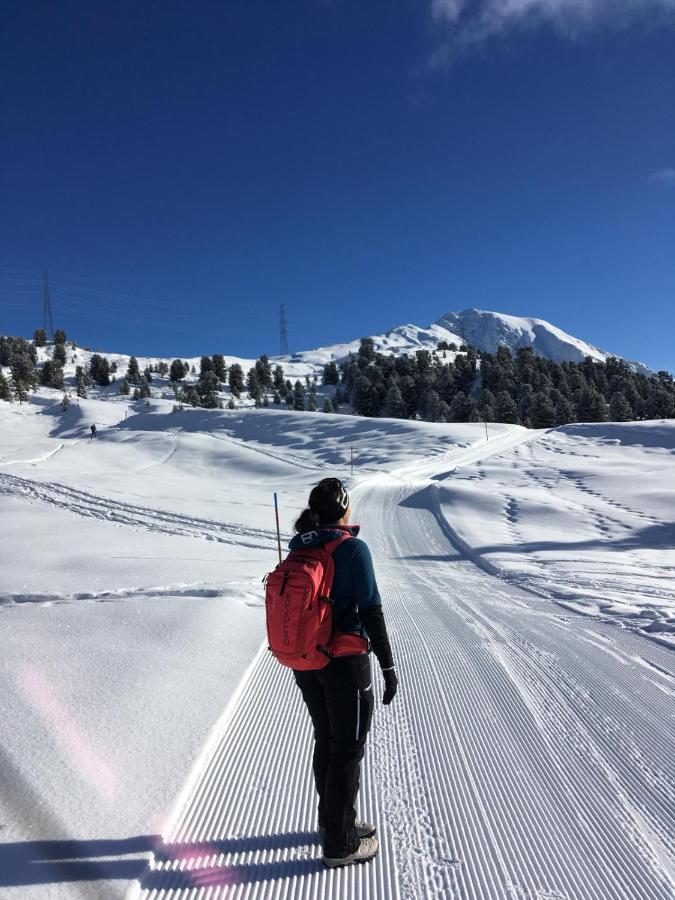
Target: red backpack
point(299, 609)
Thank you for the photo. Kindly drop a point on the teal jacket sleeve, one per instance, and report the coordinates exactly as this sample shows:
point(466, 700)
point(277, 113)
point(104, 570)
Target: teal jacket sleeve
point(363, 577)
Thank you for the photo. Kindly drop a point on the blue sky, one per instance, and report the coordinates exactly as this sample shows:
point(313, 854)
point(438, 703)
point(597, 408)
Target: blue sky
point(182, 169)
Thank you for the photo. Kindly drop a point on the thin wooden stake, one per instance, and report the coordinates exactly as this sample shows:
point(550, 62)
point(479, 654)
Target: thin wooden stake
point(276, 514)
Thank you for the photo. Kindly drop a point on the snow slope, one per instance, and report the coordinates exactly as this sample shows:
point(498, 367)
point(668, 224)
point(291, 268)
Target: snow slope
point(583, 515)
point(489, 330)
point(528, 753)
point(480, 328)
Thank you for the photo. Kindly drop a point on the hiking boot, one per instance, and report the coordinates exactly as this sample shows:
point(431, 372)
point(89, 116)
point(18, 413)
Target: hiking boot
point(363, 830)
point(366, 850)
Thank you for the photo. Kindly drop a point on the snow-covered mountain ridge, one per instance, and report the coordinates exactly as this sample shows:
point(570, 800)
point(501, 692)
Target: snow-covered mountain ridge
point(482, 329)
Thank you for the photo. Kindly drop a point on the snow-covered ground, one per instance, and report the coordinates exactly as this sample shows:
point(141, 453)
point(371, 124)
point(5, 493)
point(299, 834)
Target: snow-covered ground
point(583, 514)
point(529, 751)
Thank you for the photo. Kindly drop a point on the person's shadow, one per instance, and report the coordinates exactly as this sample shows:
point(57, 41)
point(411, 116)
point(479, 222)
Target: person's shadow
point(47, 862)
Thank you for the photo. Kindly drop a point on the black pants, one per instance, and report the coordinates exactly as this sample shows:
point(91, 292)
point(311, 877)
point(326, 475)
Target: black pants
point(339, 698)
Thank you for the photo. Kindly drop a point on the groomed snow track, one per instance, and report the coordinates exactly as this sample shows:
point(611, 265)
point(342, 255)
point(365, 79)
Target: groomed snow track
point(529, 754)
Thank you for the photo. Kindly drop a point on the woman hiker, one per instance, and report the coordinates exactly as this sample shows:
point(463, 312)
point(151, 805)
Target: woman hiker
point(339, 696)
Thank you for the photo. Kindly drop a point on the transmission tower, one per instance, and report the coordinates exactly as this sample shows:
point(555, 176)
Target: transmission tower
point(47, 308)
point(282, 332)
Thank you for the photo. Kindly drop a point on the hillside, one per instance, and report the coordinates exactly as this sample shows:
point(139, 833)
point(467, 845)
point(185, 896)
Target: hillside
point(527, 583)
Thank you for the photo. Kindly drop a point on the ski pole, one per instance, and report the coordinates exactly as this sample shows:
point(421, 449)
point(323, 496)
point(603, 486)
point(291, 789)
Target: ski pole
point(351, 459)
point(276, 513)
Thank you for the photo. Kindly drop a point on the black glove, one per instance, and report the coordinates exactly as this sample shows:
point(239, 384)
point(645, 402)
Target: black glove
point(390, 686)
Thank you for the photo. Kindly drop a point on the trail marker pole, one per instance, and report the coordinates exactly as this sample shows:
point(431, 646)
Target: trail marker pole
point(276, 514)
point(486, 431)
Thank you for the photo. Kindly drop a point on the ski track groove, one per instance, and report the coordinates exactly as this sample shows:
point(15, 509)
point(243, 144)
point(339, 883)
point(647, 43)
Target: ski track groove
point(83, 503)
point(539, 677)
point(515, 763)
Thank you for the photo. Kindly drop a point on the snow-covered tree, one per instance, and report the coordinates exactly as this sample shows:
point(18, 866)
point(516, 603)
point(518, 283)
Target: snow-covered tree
point(81, 382)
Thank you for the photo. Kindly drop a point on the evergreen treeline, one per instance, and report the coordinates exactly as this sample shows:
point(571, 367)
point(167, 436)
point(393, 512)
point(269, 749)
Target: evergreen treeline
point(523, 389)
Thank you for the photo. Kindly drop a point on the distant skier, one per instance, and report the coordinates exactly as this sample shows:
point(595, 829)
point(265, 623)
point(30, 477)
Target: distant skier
point(93, 431)
point(339, 696)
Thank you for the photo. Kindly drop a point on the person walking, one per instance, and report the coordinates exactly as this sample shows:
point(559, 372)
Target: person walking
point(339, 696)
point(93, 431)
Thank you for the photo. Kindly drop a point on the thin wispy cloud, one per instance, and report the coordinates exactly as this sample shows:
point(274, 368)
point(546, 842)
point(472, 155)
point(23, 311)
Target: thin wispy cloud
point(461, 25)
point(663, 178)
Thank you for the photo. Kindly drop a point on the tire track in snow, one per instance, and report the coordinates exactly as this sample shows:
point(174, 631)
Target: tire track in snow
point(89, 505)
point(277, 457)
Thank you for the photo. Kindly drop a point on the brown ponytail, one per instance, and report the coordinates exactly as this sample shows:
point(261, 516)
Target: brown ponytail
point(308, 520)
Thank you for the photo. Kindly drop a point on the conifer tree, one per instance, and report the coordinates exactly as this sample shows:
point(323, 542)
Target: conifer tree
point(20, 392)
point(394, 405)
point(23, 373)
point(133, 375)
point(298, 396)
point(311, 402)
point(543, 411)
point(125, 388)
point(51, 374)
point(178, 370)
point(81, 382)
point(59, 336)
point(5, 392)
point(330, 374)
point(619, 408)
point(278, 382)
point(263, 371)
point(432, 407)
point(40, 337)
point(328, 406)
point(208, 388)
point(253, 385)
point(205, 365)
point(219, 367)
point(60, 354)
point(564, 412)
point(364, 399)
point(506, 409)
point(236, 379)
